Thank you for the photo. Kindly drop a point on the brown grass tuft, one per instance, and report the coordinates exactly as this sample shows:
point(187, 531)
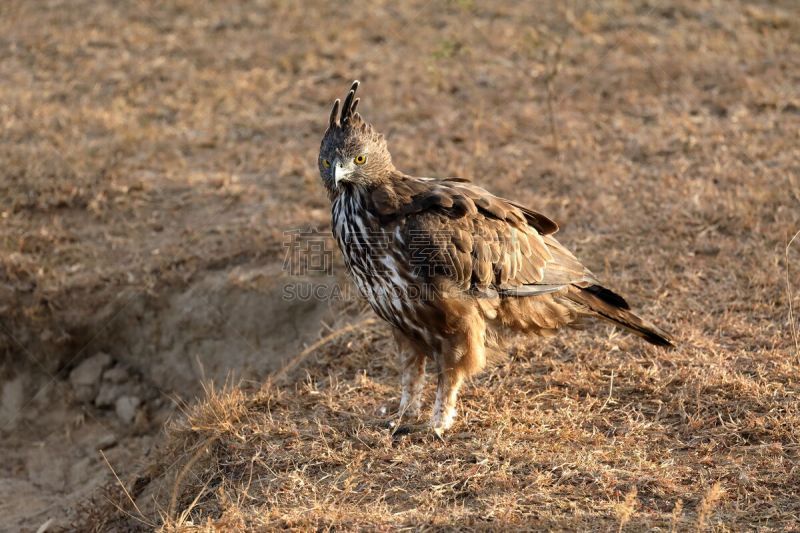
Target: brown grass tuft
point(625, 509)
point(790, 297)
point(677, 514)
point(707, 505)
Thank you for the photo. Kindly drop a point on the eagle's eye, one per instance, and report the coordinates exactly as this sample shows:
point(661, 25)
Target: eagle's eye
point(360, 159)
point(326, 163)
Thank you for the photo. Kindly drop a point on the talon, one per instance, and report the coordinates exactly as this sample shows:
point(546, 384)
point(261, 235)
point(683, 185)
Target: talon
point(439, 433)
point(399, 431)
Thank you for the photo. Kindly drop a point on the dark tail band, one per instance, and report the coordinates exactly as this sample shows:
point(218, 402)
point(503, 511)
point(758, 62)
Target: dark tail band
point(611, 306)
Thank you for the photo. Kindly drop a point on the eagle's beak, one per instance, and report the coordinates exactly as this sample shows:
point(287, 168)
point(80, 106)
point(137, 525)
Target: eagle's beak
point(341, 173)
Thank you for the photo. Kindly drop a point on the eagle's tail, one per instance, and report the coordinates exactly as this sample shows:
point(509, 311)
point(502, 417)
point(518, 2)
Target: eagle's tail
point(613, 307)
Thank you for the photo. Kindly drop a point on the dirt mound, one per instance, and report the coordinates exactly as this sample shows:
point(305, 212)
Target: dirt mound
point(233, 325)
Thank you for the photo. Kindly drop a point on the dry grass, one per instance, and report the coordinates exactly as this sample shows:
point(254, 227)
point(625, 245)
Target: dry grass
point(145, 144)
point(686, 442)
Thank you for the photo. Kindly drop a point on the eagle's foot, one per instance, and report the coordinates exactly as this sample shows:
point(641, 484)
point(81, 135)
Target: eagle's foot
point(439, 433)
point(418, 431)
point(396, 421)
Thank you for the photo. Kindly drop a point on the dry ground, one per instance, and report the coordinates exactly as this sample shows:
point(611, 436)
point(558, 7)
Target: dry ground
point(154, 153)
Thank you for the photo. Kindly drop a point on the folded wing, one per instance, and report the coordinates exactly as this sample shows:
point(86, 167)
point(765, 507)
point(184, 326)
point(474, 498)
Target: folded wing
point(479, 241)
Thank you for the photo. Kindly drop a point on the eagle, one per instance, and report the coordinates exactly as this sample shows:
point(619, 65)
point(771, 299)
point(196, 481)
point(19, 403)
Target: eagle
point(451, 267)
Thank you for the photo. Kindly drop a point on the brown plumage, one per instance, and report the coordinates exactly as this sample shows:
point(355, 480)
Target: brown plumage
point(449, 265)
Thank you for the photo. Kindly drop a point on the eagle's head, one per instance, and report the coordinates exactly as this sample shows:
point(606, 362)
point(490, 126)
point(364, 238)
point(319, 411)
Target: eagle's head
point(352, 153)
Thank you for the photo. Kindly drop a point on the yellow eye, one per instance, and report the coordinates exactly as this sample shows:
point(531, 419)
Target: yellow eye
point(360, 159)
point(326, 163)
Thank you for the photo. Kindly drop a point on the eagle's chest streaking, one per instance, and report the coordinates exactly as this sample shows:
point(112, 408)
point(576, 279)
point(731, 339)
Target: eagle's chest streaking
point(374, 256)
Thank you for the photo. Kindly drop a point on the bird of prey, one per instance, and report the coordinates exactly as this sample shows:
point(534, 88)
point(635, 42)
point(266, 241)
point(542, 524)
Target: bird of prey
point(452, 267)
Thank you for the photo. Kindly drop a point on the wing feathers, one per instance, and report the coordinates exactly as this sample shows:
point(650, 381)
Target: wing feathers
point(488, 242)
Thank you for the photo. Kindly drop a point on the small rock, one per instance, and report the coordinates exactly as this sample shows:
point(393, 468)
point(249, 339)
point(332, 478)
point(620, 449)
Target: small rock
point(84, 378)
point(108, 394)
point(105, 441)
point(90, 369)
point(126, 407)
point(116, 374)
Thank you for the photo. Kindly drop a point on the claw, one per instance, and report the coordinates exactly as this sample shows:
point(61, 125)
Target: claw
point(409, 429)
point(399, 431)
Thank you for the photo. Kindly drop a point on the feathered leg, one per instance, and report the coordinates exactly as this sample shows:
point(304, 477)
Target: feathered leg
point(444, 410)
point(464, 356)
point(412, 361)
point(413, 381)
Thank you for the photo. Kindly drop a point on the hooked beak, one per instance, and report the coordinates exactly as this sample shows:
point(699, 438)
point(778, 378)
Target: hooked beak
point(341, 173)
